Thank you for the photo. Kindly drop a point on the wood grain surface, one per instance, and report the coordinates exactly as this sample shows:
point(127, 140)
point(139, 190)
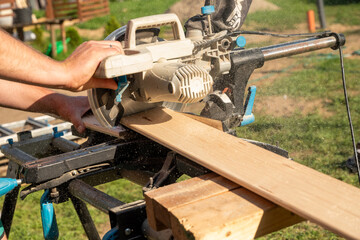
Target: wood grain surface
point(212, 207)
point(312, 195)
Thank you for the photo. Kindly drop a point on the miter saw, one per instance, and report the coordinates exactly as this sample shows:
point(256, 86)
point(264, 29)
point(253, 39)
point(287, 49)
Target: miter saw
point(201, 70)
point(204, 71)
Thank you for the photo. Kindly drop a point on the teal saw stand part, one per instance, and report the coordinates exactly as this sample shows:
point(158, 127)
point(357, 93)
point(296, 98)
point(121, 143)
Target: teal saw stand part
point(48, 217)
point(6, 185)
point(113, 234)
point(249, 116)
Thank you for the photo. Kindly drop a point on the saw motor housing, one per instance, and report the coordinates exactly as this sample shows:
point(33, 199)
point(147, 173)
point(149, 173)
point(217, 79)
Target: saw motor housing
point(172, 73)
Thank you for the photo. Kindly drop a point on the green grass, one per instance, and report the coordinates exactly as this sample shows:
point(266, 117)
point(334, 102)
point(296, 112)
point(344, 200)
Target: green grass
point(123, 11)
point(320, 79)
point(27, 220)
point(293, 12)
point(322, 143)
point(344, 14)
point(129, 9)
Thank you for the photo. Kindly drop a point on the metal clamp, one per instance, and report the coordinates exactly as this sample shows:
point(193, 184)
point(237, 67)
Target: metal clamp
point(160, 177)
point(60, 180)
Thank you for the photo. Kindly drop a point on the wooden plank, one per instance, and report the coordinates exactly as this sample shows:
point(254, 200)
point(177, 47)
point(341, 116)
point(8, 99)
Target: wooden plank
point(208, 121)
point(93, 1)
point(182, 193)
point(212, 207)
point(6, 15)
point(7, 1)
point(312, 195)
point(237, 214)
point(65, 15)
point(49, 10)
point(66, 6)
point(91, 123)
point(93, 7)
point(94, 13)
point(118, 131)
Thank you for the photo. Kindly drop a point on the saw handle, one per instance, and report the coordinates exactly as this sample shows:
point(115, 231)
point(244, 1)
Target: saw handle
point(120, 65)
point(153, 22)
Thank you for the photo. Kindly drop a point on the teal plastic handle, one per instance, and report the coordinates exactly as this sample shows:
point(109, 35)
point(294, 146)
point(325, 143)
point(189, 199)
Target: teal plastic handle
point(8, 184)
point(249, 116)
point(48, 217)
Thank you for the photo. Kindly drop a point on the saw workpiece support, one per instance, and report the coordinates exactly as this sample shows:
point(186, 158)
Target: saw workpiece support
point(212, 207)
point(262, 203)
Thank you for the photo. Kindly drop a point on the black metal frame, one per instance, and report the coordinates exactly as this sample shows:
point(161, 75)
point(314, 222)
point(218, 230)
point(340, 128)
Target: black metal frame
point(44, 163)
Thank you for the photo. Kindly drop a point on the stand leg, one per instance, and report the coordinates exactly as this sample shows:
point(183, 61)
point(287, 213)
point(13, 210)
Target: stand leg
point(85, 218)
point(10, 201)
point(9, 209)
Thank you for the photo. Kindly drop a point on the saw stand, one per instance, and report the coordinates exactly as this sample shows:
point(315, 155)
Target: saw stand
point(68, 171)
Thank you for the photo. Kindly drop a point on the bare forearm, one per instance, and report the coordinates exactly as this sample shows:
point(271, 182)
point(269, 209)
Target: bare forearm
point(37, 99)
point(21, 63)
point(27, 98)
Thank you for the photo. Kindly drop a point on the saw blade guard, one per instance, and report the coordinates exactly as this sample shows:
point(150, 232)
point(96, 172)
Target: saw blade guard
point(163, 81)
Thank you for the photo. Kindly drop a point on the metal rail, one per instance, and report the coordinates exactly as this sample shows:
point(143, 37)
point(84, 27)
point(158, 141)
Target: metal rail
point(91, 195)
point(299, 46)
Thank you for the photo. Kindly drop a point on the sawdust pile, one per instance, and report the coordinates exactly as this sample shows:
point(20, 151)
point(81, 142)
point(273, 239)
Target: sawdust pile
point(188, 8)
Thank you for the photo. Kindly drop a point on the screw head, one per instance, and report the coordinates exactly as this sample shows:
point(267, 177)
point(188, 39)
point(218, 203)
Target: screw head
point(127, 231)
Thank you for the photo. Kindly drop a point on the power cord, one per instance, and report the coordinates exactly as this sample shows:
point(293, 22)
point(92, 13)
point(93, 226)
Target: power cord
point(348, 111)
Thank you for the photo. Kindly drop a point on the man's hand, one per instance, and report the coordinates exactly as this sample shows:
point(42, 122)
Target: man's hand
point(21, 63)
point(83, 62)
point(72, 109)
point(37, 99)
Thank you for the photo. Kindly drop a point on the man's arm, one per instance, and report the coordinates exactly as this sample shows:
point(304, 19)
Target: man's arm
point(37, 99)
point(21, 63)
